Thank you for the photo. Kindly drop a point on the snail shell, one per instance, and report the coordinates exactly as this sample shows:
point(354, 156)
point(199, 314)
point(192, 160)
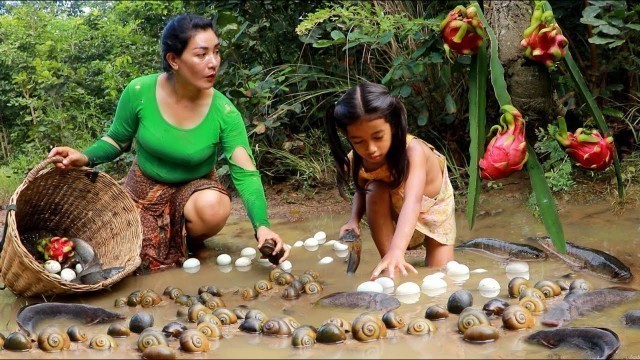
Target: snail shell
point(256, 314)
point(182, 299)
point(182, 312)
point(213, 302)
point(339, 322)
point(150, 298)
point(151, 337)
point(470, 317)
point(516, 317)
point(226, 316)
point(315, 275)
point(549, 288)
point(495, 307)
point(174, 329)
point(517, 285)
point(420, 327)
point(210, 330)
point(274, 273)
point(303, 336)
point(192, 300)
point(330, 334)
point(563, 284)
point(392, 320)
point(263, 286)
point(133, 299)
point(17, 341)
point(120, 302)
point(580, 284)
point(118, 331)
point(52, 339)
point(531, 292)
point(196, 311)
point(204, 297)
point(481, 333)
point(173, 292)
point(251, 326)
point(211, 289)
point(249, 293)
point(284, 278)
point(276, 327)
point(103, 342)
point(293, 323)
point(193, 341)
point(159, 352)
point(210, 318)
point(240, 311)
point(297, 284)
point(459, 300)
point(77, 334)
point(290, 293)
point(140, 321)
point(313, 288)
point(436, 312)
point(533, 304)
point(306, 278)
point(367, 327)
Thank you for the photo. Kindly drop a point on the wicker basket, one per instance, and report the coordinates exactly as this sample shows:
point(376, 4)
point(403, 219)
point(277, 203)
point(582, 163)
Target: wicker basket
point(80, 203)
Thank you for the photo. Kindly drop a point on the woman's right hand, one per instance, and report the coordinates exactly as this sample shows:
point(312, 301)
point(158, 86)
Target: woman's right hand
point(351, 224)
point(71, 157)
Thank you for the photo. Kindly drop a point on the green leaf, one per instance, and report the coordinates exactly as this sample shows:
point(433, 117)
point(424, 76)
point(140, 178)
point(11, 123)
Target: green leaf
point(405, 91)
point(450, 104)
point(386, 37)
point(607, 29)
point(600, 40)
point(337, 34)
point(477, 110)
point(613, 112)
point(593, 21)
point(633, 26)
point(423, 118)
point(616, 43)
point(323, 43)
point(546, 202)
point(590, 11)
point(497, 71)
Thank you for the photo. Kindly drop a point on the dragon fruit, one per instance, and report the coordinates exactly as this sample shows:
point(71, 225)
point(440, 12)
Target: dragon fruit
point(543, 39)
point(587, 148)
point(58, 249)
point(507, 151)
point(462, 31)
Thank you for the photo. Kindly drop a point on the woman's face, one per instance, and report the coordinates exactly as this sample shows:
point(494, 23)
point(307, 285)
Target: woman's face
point(200, 60)
point(371, 139)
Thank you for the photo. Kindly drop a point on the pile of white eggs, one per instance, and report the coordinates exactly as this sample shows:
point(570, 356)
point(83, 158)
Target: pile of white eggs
point(53, 267)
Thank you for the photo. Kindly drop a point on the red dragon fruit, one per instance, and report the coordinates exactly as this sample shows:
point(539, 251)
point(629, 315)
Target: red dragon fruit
point(587, 148)
point(507, 151)
point(543, 39)
point(462, 30)
point(58, 249)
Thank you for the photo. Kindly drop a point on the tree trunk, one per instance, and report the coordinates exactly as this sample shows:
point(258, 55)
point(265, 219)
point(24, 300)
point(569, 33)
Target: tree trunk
point(528, 82)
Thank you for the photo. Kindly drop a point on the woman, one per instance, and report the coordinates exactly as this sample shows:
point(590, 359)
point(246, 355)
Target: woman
point(180, 124)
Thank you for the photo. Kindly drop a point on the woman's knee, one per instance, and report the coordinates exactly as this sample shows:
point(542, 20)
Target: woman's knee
point(208, 207)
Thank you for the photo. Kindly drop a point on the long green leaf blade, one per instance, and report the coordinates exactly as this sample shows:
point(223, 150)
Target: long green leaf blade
point(497, 71)
point(546, 202)
point(477, 110)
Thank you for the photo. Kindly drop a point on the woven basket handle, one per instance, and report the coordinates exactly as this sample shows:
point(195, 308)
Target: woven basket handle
point(40, 167)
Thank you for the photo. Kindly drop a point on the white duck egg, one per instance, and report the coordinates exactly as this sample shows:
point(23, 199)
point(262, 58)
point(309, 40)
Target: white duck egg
point(370, 286)
point(338, 246)
point(190, 263)
point(78, 268)
point(67, 274)
point(242, 261)
point(488, 285)
point(223, 259)
point(438, 275)
point(431, 283)
point(310, 242)
point(52, 266)
point(321, 237)
point(342, 253)
point(248, 252)
point(450, 265)
point(286, 266)
point(458, 270)
point(386, 282)
point(264, 261)
point(326, 260)
point(408, 288)
point(329, 243)
point(517, 267)
point(298, 243)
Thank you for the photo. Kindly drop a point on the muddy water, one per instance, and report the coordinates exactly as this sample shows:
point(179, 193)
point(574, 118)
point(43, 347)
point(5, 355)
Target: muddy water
point(589, 225)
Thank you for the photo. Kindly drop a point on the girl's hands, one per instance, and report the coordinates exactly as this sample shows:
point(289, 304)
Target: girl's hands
point(352, 224)
point(72, 157)
point(392, 260)
point(265, 233)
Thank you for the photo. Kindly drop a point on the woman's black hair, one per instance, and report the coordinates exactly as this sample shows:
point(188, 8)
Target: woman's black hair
point(178, 32)
point(367, 101)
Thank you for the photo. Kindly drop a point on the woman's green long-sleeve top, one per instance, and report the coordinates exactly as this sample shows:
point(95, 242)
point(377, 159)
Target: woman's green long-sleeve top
point(169, 154)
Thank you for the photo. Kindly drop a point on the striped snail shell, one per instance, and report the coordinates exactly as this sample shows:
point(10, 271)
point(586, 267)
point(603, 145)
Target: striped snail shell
point(274, 273)
point(290, 293)
point(174, 329)
point(495, 307)
point(470, 317)
point(173, 292)
point(249, 293)
point(52, 339)
point(276, 327)
point(133, 299)
point(151, 337)
point(549, 288)
point(251, 326)
point(420, 327)
point(226, 316)
point(516, 317)
point(481, 334)
point(210, 318)
point(312, 288)
point(436, 312)
point(205, 296)
point(293, 323)
point(580, 284)
point(196, 311)
point(306, 278)
point(159, 352)
point(532, 292)
point(193, 341)
point(103, 342)
point(330, 334)
point(120, 302)
point(339, 322)
point(263, 286)
point(210, 330)
point(256, 314)
point(367, 327)
point(77, 334)
point(392, 320)
point(149, 298)
point(533, 304)
point(303, 336)
point(240, 311)
point(284, 278)
point(118, 331)
point(517, 285)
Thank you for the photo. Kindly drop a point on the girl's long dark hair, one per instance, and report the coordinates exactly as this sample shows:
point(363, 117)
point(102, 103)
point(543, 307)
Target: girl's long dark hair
point(367, 101)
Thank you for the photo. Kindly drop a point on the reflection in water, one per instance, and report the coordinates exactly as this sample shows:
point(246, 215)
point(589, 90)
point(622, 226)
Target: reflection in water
point(491, 293)
point(511, 275)
point(225, 268)
point(408, 298)
point(192, 270)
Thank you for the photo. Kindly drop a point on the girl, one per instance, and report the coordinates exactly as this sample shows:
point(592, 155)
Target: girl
point(401, 182)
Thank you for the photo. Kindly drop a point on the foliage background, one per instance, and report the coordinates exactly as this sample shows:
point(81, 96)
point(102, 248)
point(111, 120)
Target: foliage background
point(64, 64)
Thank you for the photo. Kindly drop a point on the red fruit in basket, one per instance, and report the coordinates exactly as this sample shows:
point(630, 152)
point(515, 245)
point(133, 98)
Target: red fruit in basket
point(58, 249)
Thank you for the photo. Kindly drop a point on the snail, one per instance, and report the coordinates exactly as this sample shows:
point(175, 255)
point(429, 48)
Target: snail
point(312, 288)
point(196, 311)
point(549, 288)
point(297, 284)
point(420, 327)
point(459, 300)
point(532, 292)
point(52, 339)
point(306, 278)
point(226, 316)
point(174, 329)
point(251, 326)
point(210, 318)
point(293, 323)
point(303, 336)
point(274, 273)
point(159, 352)
point(240, 311)
point(209, 289)
point(210, 330)
point(563, 284)
point(339, 322)
point(120, 302)
point(284, 278)
point(77, 334)
point(470, 317)
point(193, 341)
point(118, 331)
point(330, 334)
point(481, 333)
point(151, 337)
point(436, 312)
point(249, 293)
point(516, 317)
point(256, 314)
point(533, 304)
point(103, 342)
point(205, 296)
point(392, 320)
point(133, 299)
point(314, 274)
point(262, 286)
point(17, 341)
point(172, 292)
point(276, 327)
point(149, 298)
point(495, 307)
point(517, 285)
point(367, 327)
point(580, 284)
point(290, 293)
point(140, 321)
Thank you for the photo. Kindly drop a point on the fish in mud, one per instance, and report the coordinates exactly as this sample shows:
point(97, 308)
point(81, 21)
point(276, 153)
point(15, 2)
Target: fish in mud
point(600, 343)
point(30, 316)
point(581, 302)
point(368, 300)
point(354, 241)
point(631, 318)
point(592, 260)
point(503, 250)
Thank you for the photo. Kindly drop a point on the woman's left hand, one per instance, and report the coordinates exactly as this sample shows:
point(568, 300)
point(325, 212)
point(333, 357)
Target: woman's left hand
point(391, 261)
point(265, 233)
